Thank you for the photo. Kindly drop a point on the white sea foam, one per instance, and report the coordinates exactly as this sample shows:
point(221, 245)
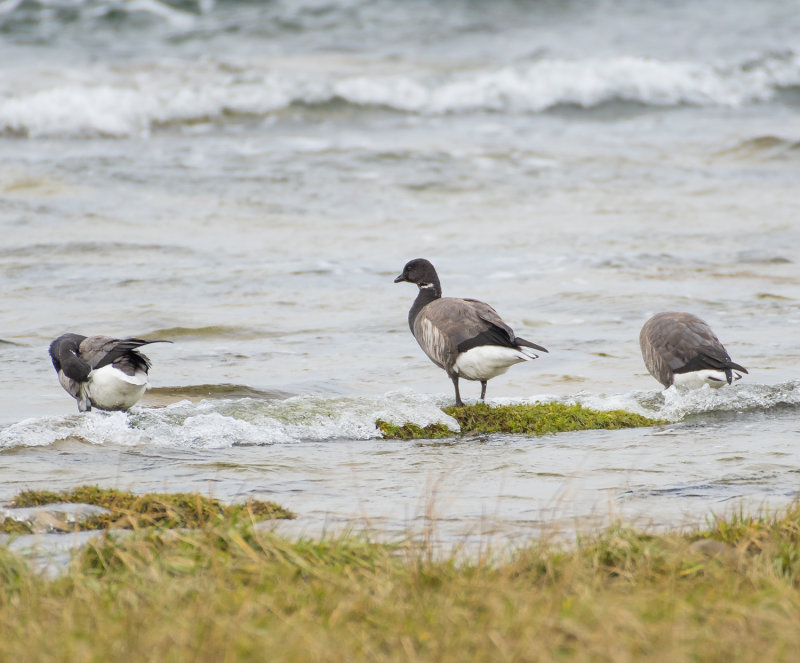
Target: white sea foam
point(680, 404)
point(224, 423)
point(101, 100)
point(675, 405)
point(215, 424)
point(127, 108)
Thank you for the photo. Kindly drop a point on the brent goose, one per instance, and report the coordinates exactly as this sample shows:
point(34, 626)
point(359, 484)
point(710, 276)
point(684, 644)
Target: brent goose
point(681, 349)
point(100, 371)
point(465, 337)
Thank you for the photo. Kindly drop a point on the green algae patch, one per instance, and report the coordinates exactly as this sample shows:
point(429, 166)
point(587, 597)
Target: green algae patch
point(413, 432)
point(12, 526)
point(536, 419)
point(542, 418)
point(167, 510)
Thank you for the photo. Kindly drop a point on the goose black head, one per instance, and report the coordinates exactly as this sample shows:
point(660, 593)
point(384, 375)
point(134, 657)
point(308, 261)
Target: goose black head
point(422, 273)
point(64, 355)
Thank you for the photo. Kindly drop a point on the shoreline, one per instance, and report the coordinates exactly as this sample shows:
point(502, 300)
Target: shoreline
point(729, 591)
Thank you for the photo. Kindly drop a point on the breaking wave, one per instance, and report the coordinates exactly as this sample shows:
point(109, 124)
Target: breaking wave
point(226, 422)
point(213, 424)
point(130, 101)
point(677, 405)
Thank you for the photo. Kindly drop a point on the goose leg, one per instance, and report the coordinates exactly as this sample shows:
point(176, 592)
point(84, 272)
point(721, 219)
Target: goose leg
point(459, 402)
point(483, 389)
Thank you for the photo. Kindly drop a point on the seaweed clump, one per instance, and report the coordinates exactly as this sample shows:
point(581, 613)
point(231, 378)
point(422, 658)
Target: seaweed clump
point(127, 510)
point(536, 419)
point(543, 418)
point(409, 431)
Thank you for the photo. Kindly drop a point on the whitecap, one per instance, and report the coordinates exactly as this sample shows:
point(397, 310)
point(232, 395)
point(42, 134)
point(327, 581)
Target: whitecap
point(679, 404)
point(674, 404)
point(222, 423)
point(124, 101)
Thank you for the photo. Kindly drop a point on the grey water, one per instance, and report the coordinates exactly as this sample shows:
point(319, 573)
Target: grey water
point(246, 179)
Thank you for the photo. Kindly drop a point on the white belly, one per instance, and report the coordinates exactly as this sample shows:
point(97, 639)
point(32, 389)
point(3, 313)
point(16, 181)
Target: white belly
point(697, 379)
point(111, 389)
point(487, 361)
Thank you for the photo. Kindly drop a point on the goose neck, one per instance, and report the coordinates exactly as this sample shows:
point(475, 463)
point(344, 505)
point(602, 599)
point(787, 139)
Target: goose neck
point(426, 296)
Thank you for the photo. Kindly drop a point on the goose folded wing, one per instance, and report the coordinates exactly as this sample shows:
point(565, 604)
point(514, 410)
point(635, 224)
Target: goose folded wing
point(493, 331)
point(710, 358)
point(102, 351)
point(693, 347)
point(449, 326)
point(479, 324)
point(677, 345)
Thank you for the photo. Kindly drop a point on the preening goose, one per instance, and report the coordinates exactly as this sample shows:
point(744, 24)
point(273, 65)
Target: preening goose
point(100, 371)
point(681, 349)
point(465, 337)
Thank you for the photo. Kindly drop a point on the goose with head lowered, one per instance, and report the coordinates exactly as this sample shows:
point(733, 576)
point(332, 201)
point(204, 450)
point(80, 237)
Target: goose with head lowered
point(681, 349)
point(465, 337)
point(101, 371)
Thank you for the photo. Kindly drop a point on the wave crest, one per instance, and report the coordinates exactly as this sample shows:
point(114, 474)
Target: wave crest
point(221, 423)
point(677, 405)
point(128, 102)
point(225, 422)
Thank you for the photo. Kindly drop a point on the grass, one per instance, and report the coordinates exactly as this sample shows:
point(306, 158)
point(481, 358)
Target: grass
point(128, 510)
point(229, 592)
point(536, 419)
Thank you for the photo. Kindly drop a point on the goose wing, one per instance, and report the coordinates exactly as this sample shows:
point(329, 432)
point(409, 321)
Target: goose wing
point(448, 326)
point(101, 351)
point(491, 330)
point(692, 346)
point(683, 343)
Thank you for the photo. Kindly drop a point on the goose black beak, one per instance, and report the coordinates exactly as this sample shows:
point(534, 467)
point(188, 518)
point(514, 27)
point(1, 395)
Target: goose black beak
point(400, 278)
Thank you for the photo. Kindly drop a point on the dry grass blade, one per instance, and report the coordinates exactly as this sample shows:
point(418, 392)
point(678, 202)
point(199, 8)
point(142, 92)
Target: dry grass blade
point(228, 591)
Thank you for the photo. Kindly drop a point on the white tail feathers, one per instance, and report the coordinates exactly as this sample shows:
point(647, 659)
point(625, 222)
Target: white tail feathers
point(487, 361)
point(528, 353)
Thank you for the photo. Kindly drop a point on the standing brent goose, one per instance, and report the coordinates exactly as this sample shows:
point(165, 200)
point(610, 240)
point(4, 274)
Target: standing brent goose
point(681, 349)
point(100, 371)
point(465, 337)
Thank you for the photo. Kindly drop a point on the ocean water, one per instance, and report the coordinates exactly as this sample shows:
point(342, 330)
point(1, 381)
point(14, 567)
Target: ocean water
point(247, 178)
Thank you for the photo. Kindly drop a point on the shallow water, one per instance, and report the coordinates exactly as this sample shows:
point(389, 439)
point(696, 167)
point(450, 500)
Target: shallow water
point(249, 184)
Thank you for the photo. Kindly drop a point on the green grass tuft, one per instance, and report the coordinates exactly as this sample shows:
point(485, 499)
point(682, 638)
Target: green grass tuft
point(230, 592)
point(537, 419)
point(168, 510)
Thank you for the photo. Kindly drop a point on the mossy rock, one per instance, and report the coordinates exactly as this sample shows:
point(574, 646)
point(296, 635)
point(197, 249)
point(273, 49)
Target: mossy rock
point(413, 432)
point(131, 511)
point(12, 526)
point(536, 419)
point(542, 418)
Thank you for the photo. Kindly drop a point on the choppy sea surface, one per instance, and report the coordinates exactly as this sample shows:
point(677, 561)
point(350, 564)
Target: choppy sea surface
point(246, 179)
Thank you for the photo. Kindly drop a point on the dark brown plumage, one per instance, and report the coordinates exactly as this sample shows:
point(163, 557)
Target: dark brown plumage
point(680, 348)
point(101, 371)
point(465, 337)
